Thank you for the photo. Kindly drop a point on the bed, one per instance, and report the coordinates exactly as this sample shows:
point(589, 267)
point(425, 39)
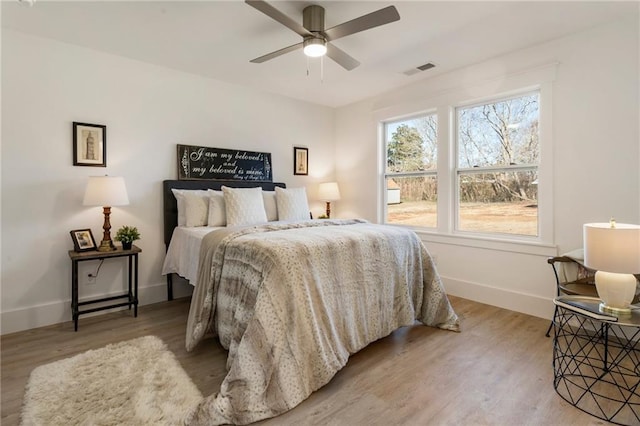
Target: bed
point(191, 237)
point(292, 300)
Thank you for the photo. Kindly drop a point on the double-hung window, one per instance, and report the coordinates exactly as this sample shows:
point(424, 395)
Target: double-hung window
point(476, 168)
point(411, 171)
point(496, 173)
point(488, 173)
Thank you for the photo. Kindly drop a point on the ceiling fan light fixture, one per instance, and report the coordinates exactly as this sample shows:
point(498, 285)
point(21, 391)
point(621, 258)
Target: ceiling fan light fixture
point(314, 34)
point(315, 47)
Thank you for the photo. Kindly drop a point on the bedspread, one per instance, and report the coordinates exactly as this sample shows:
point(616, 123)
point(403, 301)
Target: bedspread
point(292, 301)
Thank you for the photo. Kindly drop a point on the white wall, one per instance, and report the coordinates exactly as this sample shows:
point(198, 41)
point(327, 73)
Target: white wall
point(595, 149)
point(46, 85)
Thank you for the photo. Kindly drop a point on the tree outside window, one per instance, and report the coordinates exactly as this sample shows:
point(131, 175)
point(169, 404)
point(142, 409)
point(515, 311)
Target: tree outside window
point(497, 166)
point(494, 178)
point(410, 177)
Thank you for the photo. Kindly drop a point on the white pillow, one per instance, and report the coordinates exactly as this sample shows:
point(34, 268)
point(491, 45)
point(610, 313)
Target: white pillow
point(197, 209)
point(182, 208)
point(292, 204)
point(217, 209)
point(244, 206)
point(270, 206)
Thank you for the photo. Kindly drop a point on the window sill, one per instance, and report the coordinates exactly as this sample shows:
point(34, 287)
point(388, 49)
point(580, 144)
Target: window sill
point(525, 247)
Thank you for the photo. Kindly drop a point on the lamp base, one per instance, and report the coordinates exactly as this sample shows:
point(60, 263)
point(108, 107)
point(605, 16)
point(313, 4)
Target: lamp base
point(618, 312)
point(107, 243)
point(106, 246)
point(616, 292)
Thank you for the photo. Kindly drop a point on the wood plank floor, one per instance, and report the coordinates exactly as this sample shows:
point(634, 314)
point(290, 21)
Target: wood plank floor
point(497, 371)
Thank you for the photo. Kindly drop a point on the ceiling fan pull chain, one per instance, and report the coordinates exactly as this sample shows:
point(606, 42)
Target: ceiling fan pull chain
point(321, 69)
point(307, 66)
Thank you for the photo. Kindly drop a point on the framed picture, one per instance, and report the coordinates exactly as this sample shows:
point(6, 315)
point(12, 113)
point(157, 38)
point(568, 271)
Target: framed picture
point(300, 161)
point(89, 145)
point(83, 240)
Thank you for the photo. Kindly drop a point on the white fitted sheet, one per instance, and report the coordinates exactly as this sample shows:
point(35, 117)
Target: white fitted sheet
point(183, 254)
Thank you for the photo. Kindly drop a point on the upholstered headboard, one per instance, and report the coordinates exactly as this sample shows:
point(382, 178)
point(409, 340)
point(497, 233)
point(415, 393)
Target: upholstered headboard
point(171, 206)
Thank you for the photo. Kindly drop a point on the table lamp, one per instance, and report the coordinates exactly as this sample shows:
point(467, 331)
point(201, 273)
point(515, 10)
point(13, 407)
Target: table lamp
point(329, 192)
point(106, 191)
point(614, 251)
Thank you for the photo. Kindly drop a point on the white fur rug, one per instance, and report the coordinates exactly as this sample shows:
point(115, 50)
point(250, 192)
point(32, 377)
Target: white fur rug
point(137, 382)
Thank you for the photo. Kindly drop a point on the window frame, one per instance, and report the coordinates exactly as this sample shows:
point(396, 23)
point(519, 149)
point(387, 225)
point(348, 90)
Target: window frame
point(385, 175)
point(444, 101)
point(458, 171)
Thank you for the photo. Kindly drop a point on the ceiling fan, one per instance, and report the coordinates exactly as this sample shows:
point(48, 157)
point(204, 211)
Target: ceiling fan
point(316, 39)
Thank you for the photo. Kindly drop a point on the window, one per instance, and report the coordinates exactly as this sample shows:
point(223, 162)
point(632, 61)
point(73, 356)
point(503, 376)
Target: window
point(482, 172)
point(497, 145)
point(488, 171)
point(410, 171)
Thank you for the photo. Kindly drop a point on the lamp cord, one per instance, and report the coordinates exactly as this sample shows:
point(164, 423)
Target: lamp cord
point(97, 270)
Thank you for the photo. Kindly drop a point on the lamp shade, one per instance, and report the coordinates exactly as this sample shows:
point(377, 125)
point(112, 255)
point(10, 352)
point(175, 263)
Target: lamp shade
point(329, 191)
point(106, 191)
point(612, 249)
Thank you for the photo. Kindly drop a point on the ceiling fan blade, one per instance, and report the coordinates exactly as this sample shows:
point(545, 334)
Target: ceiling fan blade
point(342, 58)
point(277, 53)
point(374, 19)
point(275, 14)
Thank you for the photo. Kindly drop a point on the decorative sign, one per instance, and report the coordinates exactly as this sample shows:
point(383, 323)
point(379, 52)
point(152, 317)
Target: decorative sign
point(201, 162)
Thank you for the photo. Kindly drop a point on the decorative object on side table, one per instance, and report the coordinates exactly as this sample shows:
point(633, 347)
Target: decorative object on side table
point(127, 235)
point(89, 145)
point(329, 192)
point(300, 161)
point(614, 251)
point(106, 191)
point(83, 240)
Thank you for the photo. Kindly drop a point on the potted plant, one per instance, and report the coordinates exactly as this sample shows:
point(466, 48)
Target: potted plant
point(127, 235)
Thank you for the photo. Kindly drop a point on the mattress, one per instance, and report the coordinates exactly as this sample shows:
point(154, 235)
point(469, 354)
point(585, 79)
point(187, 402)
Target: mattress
point(184, 251)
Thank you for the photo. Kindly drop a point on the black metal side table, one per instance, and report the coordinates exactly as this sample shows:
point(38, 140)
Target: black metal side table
point(596, 360)
point(131, 295)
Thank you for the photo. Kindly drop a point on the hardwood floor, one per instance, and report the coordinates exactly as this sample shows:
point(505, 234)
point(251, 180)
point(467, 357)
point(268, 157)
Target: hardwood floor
point(497, 371)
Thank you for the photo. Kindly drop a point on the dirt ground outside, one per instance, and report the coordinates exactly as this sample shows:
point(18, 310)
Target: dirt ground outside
point(503, 218)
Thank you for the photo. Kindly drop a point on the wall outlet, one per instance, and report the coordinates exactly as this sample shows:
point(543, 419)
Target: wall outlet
point(91, 279)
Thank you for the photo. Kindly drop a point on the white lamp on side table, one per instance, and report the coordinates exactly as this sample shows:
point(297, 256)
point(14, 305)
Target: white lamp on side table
point(614, 251)
point(106, 191)
point(329, 192)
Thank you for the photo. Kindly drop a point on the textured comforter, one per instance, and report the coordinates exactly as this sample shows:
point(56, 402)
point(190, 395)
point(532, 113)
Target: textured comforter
point(292, 301)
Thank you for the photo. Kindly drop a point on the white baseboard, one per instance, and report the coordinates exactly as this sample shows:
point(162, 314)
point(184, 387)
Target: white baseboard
point(520, 302)
point(59, 312)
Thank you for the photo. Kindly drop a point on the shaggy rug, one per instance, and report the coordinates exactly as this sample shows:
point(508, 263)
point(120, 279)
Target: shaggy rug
point(136, 382)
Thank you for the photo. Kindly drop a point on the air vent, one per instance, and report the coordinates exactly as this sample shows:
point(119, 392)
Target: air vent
point(416, 70)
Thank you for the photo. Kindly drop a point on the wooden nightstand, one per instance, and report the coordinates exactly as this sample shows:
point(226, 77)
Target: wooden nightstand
point(131, 296)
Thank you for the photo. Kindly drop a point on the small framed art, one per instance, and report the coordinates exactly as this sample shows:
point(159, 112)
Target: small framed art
point(89, 145)
point(83, 240)
point(300, 161)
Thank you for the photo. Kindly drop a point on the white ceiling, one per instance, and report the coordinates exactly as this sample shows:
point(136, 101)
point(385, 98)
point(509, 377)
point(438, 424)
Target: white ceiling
point(218, 38)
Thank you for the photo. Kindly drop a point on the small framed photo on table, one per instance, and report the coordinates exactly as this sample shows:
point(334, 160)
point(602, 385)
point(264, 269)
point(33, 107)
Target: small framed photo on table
point(83, 240)
point(89, 145)
point(300, 161)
